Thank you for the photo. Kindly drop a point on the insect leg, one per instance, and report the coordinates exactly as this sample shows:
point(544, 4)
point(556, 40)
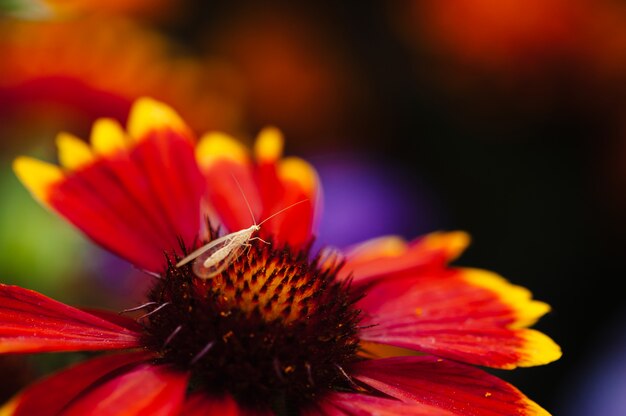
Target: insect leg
point(260, 239)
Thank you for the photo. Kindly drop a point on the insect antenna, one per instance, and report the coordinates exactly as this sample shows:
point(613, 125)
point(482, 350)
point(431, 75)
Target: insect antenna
point(245, 199)
point(148, 272)
point(281, 211)
point(250, 208)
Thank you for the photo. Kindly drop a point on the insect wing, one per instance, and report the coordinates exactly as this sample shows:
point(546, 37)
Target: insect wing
point(209, 249)
point(213, 262)
point(213, 246)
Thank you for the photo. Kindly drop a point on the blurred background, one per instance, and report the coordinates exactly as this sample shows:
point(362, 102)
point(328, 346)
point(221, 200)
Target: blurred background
point(502, 118)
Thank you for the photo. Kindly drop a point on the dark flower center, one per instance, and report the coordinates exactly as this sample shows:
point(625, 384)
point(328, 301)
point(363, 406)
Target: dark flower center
point(274, 329)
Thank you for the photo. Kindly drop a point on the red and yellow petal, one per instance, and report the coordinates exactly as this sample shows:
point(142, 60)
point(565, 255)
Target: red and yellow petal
point(149, 117)
point(31, 322)
point(523, 309)
point(39, 177)
point(388, 256)
point(300, 185)
point(135, 193)
point(454, 388)
point(147, 389)
point(50, 395)
point(458, 315)
point(496, 348)
point(282, 183)
point(226, 165)
point(242, 189)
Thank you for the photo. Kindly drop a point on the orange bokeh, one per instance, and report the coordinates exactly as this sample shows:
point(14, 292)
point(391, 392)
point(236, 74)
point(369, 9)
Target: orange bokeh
point(89, 67)
point(521, 36)
point(296, 75)
point(159, 10)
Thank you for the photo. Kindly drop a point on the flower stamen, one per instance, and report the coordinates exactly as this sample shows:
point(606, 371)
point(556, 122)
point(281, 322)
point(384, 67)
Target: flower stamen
point(137, 308)
point(172, 335)
point(153, 311)
point(272, 326)
point(202, 352)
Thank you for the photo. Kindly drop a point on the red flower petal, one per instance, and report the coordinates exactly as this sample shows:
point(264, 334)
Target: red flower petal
point(145, 390)
point(283, 182)
point(136, 205)
point(115, 318)
point(299, 185)
point(200, 404)
point(392, 256)
point(225, 198)
point(31, 322)
point(456, 388)
point(49, 396)
point(269, 185)
point(134, 195)
point(360, 404)
point(453, 317)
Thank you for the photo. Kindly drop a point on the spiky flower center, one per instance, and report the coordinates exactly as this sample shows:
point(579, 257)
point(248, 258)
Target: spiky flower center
point(274, 329)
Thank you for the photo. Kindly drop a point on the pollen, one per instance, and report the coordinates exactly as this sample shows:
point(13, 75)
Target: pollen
point(274, 285)
point(275, 329)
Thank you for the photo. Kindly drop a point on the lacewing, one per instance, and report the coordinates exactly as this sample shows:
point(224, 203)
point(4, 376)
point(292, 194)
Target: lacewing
point(212, 258)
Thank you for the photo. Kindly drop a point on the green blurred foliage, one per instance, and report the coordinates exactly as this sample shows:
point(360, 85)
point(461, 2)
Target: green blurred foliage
point(38, 249)
point(28, 9)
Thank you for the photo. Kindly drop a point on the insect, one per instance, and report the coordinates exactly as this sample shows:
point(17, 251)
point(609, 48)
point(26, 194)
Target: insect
point(212, 258)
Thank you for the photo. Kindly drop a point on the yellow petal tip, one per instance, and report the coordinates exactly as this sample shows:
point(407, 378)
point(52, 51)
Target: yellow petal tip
point(453, 242)
point(301, 172)
point(73, 152)
point(539, 349)
point(386, 246)
point(107, 137)
point(147, 115)
point(527, 311)
point(37, 176)
point(216, 146)
point(269, 145)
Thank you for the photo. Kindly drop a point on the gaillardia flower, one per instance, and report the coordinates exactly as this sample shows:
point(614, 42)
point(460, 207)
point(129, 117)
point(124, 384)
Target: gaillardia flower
point(385, 327)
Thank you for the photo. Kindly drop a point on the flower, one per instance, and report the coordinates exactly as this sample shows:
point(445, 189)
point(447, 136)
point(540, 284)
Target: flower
point(384, 327)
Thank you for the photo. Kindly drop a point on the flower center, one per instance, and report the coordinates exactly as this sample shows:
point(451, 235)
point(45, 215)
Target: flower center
point(274, 329)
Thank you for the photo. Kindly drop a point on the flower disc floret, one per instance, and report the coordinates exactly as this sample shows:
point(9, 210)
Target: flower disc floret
point(273, 329)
